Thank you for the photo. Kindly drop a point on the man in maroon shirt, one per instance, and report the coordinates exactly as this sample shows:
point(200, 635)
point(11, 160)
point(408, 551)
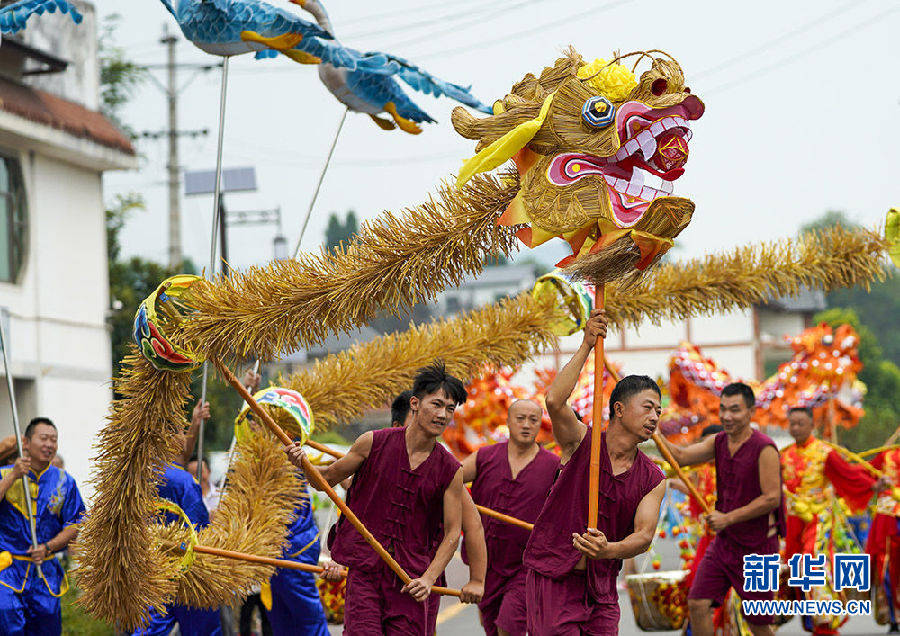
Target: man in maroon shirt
point(407, 490)
point(514, 478)
point(749, 514)
point(572, 569)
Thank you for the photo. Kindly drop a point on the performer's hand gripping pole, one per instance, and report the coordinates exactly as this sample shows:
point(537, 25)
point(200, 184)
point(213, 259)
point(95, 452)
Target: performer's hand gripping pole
point(597, 418)
point(313, 475)
point(664, 450)
point(18, 433)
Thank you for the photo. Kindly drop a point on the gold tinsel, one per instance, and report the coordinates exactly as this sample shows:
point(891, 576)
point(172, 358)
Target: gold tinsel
point(120, 571)
point(394, 261)
point(341, 386)
point(826, 260)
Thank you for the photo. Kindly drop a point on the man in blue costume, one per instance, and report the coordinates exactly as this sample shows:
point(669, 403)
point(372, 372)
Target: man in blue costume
point(179, 487)
point(296, 607)
point(30, 587)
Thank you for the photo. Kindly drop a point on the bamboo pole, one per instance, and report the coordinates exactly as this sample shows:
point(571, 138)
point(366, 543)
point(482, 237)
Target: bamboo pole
point(502, 517)
point(660, 444)
point(880, 449)
point(597, 419)
point(290, 565)
point(313, 475)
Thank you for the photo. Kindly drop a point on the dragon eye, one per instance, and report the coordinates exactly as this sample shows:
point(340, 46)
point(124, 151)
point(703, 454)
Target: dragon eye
point(598, 112)
point(659, 86)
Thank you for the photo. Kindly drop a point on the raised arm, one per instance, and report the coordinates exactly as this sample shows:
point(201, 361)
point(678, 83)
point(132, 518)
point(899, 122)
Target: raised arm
point(567, 430)
point(420, 588)
point(340, 469)
point(770, 484)
point(200, 413)
point(594, 544)
point(696, 453)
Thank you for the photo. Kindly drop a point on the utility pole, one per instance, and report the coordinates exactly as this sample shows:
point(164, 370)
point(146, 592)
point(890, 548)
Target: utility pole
point(172, 91)
point(175, 252)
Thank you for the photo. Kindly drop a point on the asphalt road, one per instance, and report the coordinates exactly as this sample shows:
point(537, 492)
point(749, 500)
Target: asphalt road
point(456, 619)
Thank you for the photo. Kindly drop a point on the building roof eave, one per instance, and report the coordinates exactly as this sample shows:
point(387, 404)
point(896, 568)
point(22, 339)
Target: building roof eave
point(22, 133)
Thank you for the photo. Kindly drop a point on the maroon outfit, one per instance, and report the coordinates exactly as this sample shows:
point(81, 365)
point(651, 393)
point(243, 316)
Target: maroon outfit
point(404, 509)
point(737, 484)
point(562, 600)
point(503, 603)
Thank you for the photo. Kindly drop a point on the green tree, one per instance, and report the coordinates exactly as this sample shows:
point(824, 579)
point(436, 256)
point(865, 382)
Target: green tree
point(119, 77)
point(878, 306)
point(340, 231)
point(882, 380)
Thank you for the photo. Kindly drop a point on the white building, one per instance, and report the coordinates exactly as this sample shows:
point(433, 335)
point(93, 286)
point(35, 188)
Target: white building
point(54, 288)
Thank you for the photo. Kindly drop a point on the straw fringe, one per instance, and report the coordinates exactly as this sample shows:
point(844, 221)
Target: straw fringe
point(121, 571)
point(341, 386)
point(263, 493)
point(393, 262)
point(826, 260)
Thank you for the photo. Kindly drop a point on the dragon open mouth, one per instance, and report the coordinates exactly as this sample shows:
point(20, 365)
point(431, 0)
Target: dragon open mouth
point(654, 147)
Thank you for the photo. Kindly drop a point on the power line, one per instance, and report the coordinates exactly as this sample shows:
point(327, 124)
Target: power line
point(778, 39)
point(374, 17)
point(477, 20)
point(801, 53)
point(480, 46)
point(427, 22)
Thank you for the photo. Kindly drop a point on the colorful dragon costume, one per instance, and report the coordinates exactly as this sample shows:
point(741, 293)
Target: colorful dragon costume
point(129, 562)
point(583, 138)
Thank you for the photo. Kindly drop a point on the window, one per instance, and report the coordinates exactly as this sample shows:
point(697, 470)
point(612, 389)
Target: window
point(13, 219)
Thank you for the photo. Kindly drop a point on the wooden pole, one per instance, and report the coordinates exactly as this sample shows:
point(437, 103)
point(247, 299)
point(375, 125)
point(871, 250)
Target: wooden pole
point(313, 475)
point(322, 448)
point(290, 565)
point(597, 419)
point(687, 482)
point(502, 517)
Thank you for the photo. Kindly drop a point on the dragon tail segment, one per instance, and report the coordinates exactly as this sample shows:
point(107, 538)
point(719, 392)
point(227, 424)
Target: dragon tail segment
point(892, 234)
point(14, 17)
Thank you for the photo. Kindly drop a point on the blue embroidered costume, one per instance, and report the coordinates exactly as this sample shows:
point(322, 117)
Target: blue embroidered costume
point(296, 608)
point(29, 596)
point(179, 487)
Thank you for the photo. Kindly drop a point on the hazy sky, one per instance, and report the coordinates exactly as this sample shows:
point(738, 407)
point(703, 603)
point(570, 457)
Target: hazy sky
point(802, 111)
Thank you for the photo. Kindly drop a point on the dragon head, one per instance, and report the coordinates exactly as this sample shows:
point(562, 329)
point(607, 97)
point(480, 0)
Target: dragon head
point(587, 139)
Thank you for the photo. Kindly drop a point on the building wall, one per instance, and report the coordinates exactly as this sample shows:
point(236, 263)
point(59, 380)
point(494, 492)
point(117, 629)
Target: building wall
point(59, 341)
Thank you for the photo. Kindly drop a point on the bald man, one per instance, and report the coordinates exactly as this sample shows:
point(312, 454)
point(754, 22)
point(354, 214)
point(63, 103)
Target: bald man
point(514, 478)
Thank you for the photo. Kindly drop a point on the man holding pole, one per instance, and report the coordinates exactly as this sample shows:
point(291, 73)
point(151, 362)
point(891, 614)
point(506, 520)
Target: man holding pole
point(572, 569)
point(32, 584)
point(749, 514)
point(407, 490)
point(513, 478)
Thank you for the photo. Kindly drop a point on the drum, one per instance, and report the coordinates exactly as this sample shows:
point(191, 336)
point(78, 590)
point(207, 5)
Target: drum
point(658, 599)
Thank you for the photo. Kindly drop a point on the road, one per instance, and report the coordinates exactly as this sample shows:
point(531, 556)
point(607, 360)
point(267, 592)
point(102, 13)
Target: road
point(456, 619)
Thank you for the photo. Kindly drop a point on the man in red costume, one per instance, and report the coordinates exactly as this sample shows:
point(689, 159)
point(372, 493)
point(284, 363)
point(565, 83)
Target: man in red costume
point(407, 490)
point(571, 579)
point(883, 544)
point(514, 478)
point(749, 508)
point(813, 472)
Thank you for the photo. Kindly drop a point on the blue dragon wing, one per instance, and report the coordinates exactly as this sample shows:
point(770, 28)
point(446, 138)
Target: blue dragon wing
point(13, 17)
point(419, 79)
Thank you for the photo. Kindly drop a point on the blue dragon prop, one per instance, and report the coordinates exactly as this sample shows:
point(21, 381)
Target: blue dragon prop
point(13, 17)
point(366, 82)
